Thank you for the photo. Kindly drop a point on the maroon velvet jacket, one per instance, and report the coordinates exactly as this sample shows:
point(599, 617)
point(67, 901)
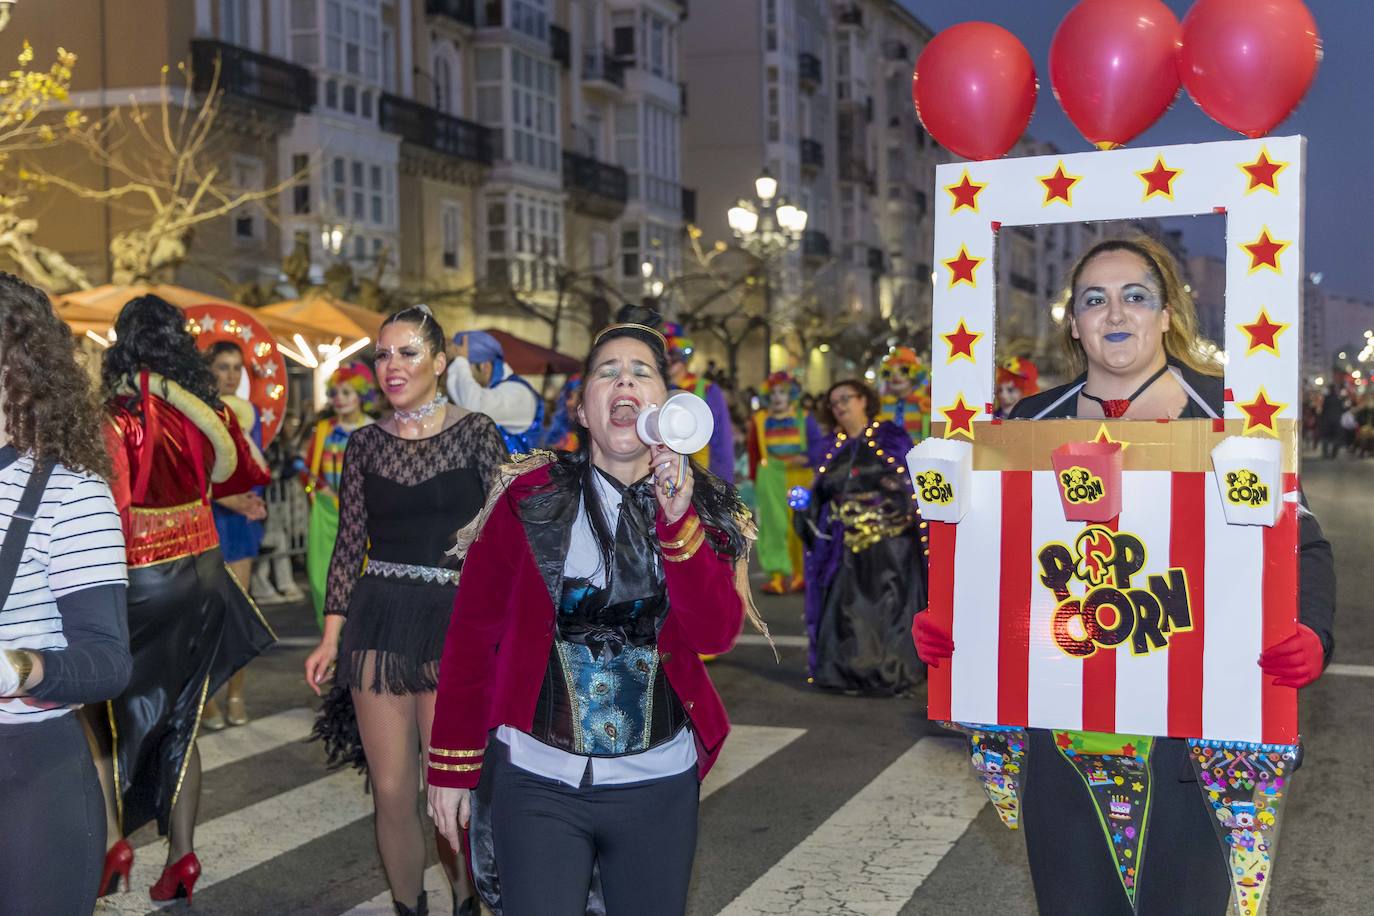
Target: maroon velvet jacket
point(498, 642)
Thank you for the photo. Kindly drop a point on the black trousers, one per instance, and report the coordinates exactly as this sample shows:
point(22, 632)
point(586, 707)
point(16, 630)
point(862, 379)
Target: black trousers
point(1183, 871)
point(52, 840)
point(547, 836)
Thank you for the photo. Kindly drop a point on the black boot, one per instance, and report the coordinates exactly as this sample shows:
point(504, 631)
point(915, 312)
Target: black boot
point(469, 907)
point(421, 906)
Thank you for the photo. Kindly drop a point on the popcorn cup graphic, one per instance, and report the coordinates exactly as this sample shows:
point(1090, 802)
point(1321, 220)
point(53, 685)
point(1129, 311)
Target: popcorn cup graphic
point(1249, 476)
point(1088, 475)
point(942, 473)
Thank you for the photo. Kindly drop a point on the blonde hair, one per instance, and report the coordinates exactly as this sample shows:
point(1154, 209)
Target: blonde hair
point(1182, 343)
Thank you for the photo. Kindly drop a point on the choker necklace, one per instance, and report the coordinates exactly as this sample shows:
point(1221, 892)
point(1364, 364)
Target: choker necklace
point(1115, 408)
point(423, 412)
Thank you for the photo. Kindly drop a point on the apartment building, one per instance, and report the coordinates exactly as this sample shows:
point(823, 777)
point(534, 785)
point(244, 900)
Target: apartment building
point(484, 153)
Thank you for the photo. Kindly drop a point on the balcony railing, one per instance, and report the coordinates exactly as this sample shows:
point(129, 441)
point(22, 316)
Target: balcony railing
point(583, 173)
point(433, 129)
point(815, 244)
point(250, 75)
point(560, 45)
point(812, 153)
point(689, 205)
point(464, 11)
point(809, 69)
point(599, 65)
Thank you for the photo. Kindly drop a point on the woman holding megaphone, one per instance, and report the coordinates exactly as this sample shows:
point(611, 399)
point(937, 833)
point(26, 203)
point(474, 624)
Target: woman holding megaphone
point(574, 719)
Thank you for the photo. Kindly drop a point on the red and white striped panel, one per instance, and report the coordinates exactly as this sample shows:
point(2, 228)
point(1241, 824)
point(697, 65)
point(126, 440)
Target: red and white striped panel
point(1007, 670)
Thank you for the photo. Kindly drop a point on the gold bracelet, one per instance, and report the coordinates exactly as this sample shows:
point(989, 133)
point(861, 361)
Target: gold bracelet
point(689, 550)
point(22, 662)
point(689, 531)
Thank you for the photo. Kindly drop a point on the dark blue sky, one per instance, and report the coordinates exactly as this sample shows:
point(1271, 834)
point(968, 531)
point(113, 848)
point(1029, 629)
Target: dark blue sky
point(1337, 117)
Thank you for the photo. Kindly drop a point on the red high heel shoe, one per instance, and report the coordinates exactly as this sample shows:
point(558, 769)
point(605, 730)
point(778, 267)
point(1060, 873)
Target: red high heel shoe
point(178, 879)
point(118, 861)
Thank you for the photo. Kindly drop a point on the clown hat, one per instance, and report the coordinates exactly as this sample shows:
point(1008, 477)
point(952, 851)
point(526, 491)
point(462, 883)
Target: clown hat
point(1020, 372)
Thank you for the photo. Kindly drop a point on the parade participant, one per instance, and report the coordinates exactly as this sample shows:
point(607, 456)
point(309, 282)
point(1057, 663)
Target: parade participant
point(571, 697)
point(63, 622)
point(479, 380)
point(906, 392)
point(1132, 328)
point(175, 446)
point(238, 521)
point(865, 563)
point(560, 434)
point(353, 399)
point(719, 454)
point(1016, 378)
point(779, 436)
point(408, 484)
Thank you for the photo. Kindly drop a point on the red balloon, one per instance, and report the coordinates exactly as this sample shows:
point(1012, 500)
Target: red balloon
point(1114, 67)
point(1248, 63)
point(974, 89)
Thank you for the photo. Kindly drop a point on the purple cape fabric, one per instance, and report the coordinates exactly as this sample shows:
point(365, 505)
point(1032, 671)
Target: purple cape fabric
point(824, 558)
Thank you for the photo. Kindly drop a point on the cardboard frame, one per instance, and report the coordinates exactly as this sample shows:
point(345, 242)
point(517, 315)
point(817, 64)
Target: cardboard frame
point(1169, 486)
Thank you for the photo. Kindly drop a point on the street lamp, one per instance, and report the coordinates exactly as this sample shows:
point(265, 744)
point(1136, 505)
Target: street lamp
point(767, 226)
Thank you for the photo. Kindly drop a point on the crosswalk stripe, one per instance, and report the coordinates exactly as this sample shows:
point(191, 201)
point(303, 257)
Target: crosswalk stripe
point(234, 843)
point(1351, 670)
point(747, 747)
point(758, 639)
point(259, 736)
point(872, 854)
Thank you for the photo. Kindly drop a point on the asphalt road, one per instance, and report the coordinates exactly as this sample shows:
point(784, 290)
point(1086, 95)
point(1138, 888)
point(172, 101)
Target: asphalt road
point(822, 804)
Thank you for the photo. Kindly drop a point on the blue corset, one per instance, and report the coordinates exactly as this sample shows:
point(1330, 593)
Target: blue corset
point(605, 693)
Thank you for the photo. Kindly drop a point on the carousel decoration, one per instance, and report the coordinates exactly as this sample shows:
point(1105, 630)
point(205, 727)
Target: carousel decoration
point(263, 364)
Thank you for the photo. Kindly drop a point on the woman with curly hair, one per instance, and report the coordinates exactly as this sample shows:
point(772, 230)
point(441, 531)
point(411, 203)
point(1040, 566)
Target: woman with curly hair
point(176, 448)
point(353, 401)
point(62, 615)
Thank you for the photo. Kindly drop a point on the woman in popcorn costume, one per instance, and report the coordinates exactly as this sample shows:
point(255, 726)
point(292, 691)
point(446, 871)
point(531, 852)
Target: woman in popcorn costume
point(780, 435)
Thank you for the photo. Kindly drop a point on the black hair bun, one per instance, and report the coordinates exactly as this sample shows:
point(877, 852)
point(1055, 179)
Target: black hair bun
point(639, 314)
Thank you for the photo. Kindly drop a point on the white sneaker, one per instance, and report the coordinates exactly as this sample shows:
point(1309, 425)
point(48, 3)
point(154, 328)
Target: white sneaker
point(263, 592)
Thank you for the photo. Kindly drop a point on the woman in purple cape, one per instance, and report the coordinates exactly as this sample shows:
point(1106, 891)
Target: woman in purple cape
point(866, 553)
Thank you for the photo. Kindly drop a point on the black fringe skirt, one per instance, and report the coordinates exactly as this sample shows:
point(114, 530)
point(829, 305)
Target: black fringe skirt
point(391, 643)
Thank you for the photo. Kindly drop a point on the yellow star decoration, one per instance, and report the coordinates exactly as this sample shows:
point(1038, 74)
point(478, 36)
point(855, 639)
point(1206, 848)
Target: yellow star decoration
point(1263, 333)
point(1261, 414)
point(1106, 437)
point(959, 418)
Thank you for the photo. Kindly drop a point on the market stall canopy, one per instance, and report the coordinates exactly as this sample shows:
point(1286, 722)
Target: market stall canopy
point(527, 358)
point(96, 309)
point(328, 316)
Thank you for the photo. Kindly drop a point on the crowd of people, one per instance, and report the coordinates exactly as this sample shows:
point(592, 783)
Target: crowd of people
point(516, 600)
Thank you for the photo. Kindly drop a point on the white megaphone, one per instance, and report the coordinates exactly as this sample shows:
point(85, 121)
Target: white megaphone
point(684, 423)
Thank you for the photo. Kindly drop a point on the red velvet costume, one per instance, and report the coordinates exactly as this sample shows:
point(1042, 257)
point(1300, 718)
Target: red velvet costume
point(498, 644)
point(167, 468)
point(190, 625)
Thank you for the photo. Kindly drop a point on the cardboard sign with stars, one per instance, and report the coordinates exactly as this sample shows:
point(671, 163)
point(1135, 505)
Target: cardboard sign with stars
point(1221, 588)
point(264, 366)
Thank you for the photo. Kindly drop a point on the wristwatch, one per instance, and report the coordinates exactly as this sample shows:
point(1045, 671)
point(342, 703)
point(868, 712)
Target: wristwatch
point(22, 663)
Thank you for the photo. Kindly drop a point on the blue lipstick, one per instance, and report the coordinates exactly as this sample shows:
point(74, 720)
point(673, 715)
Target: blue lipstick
point(1118, 336)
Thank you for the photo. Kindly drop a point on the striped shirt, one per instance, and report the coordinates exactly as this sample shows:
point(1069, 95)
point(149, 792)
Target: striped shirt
point(76, 543)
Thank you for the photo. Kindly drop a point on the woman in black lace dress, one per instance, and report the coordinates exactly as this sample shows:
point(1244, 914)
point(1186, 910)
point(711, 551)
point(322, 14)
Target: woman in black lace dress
point(409, 484)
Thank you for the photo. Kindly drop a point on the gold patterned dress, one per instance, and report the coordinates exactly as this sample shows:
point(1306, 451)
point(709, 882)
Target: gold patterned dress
point(865, 565)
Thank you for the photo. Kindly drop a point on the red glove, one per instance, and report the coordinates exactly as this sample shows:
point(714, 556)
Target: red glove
point(933, 644)
point(1295, 662)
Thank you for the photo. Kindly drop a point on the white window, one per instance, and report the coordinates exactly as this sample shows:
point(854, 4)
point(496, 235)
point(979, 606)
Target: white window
point(451, 233)
point(531, 17)
point(661, 151)
point(529, 122)
point(248, 174)
point(658, 47)
point(234, 27)
point(305, 36)
point(524, 239)
point(443, 84)
point(599, 252)
point(362, 192)
point(388, 60)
